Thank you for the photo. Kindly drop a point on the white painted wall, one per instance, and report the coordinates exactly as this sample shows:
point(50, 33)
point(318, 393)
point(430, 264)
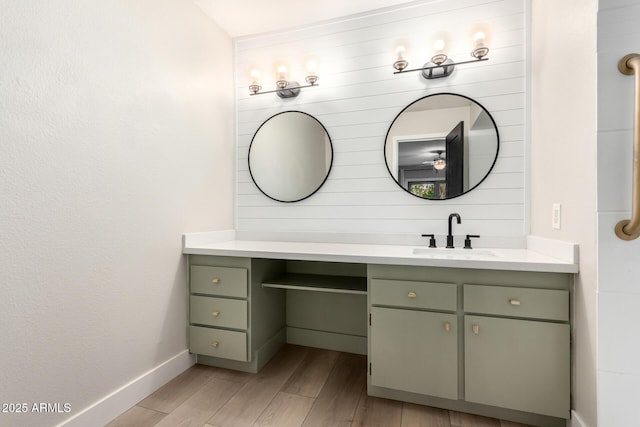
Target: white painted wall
point(243, 17)
point(115, 138)
point(618, 268)
point(563, 158)
point(357, 99)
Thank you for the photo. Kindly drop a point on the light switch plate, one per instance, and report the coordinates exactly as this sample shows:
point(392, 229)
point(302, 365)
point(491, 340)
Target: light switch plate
point(556, 216)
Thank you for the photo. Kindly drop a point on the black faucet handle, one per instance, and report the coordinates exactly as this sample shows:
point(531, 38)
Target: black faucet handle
point(467, 240)
point(432, 240)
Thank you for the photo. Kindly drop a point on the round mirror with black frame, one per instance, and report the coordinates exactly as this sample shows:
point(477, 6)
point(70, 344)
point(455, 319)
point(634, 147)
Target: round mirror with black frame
point(441, 146)
point(290, 156)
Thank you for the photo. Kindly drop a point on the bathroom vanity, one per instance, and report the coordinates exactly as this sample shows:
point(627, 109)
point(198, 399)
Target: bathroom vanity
point(484, 331)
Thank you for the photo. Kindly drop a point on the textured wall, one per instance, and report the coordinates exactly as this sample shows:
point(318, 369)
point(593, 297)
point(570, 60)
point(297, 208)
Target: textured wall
point(115, 138)
point(357, 100)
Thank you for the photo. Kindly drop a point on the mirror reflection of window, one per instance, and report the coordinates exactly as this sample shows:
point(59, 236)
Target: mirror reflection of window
point(444, 139)
point(428, 189)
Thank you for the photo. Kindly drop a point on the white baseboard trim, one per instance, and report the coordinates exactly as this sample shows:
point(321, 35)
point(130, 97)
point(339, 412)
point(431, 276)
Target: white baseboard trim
point(116, 403)
point(575, 420)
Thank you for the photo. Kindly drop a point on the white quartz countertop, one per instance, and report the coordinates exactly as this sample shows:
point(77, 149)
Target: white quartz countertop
point(492, 259)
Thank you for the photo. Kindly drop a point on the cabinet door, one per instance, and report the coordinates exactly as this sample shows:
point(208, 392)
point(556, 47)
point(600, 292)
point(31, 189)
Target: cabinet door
point(415, 351)
point(518, 364)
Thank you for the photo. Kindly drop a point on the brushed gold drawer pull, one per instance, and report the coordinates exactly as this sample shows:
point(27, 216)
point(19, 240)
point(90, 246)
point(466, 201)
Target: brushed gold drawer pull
point(475, 329)
point(447, 327)
point(215, 280)
point(215, 344)
point(412, 295)
point(514, 301)
point(215, 313)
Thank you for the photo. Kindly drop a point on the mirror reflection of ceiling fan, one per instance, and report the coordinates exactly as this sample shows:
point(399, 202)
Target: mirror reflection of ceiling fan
point(439, 162)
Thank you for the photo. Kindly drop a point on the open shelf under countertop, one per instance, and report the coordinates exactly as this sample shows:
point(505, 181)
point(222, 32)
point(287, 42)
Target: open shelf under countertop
point(319, 283)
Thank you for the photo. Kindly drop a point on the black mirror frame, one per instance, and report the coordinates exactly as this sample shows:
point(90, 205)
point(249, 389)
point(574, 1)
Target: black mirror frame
point(428, 96)
point(328, 170)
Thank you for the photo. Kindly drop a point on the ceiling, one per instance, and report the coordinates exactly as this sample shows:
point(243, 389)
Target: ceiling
point(245, 17)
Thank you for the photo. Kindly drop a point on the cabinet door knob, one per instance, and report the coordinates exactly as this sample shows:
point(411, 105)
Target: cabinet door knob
point(215, 280)
point(447, 326)
point(215, 344)
point(514, 301)
point(412, 295)
point(475, 329)
point(215, 313)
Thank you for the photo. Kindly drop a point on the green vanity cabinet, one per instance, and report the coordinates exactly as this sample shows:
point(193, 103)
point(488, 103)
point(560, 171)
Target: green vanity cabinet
point(218, 311)
point(230, 282)
point(218, 343)
point(521, 362)
point(490, 342)
point(233, 322)
point(517, 364)
point(415, 351)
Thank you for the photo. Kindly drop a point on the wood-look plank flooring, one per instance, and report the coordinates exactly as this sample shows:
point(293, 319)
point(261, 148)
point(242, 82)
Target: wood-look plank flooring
point(299, 387)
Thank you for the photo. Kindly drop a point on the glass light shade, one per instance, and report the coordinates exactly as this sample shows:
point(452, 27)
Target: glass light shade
point(254, 79)
point(480, 49)
point(439, 56)
point(282, 72)
point(283, 77)
point(400, 50)
point(400, 62)
point(439, 164)
point(312, 66)
point(254, 76)
point(312, 69)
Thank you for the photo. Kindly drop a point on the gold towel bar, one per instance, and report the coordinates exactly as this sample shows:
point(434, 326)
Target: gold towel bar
point(629, 229)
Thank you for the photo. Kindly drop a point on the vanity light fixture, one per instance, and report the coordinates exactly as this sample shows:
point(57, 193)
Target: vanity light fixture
point(284, 87)
point(440, 64)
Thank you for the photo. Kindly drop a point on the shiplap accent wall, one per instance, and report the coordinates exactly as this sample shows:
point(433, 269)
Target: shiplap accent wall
point(357, 99)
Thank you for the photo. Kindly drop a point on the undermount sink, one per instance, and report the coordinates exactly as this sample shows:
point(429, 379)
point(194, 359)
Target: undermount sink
point(453, 253)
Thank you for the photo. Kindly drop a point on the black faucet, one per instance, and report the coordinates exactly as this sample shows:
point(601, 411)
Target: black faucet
point(432, 240)
point(467, 240)
point(450, 235)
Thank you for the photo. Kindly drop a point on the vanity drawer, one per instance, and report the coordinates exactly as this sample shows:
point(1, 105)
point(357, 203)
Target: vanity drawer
point(517, 302)
point(223, 312)
point(402, 293)
point(221, 281)
point(218, 343)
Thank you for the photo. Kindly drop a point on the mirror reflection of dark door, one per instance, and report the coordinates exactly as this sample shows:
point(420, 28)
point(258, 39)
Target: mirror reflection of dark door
point(427, 163)
point(454, 143)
